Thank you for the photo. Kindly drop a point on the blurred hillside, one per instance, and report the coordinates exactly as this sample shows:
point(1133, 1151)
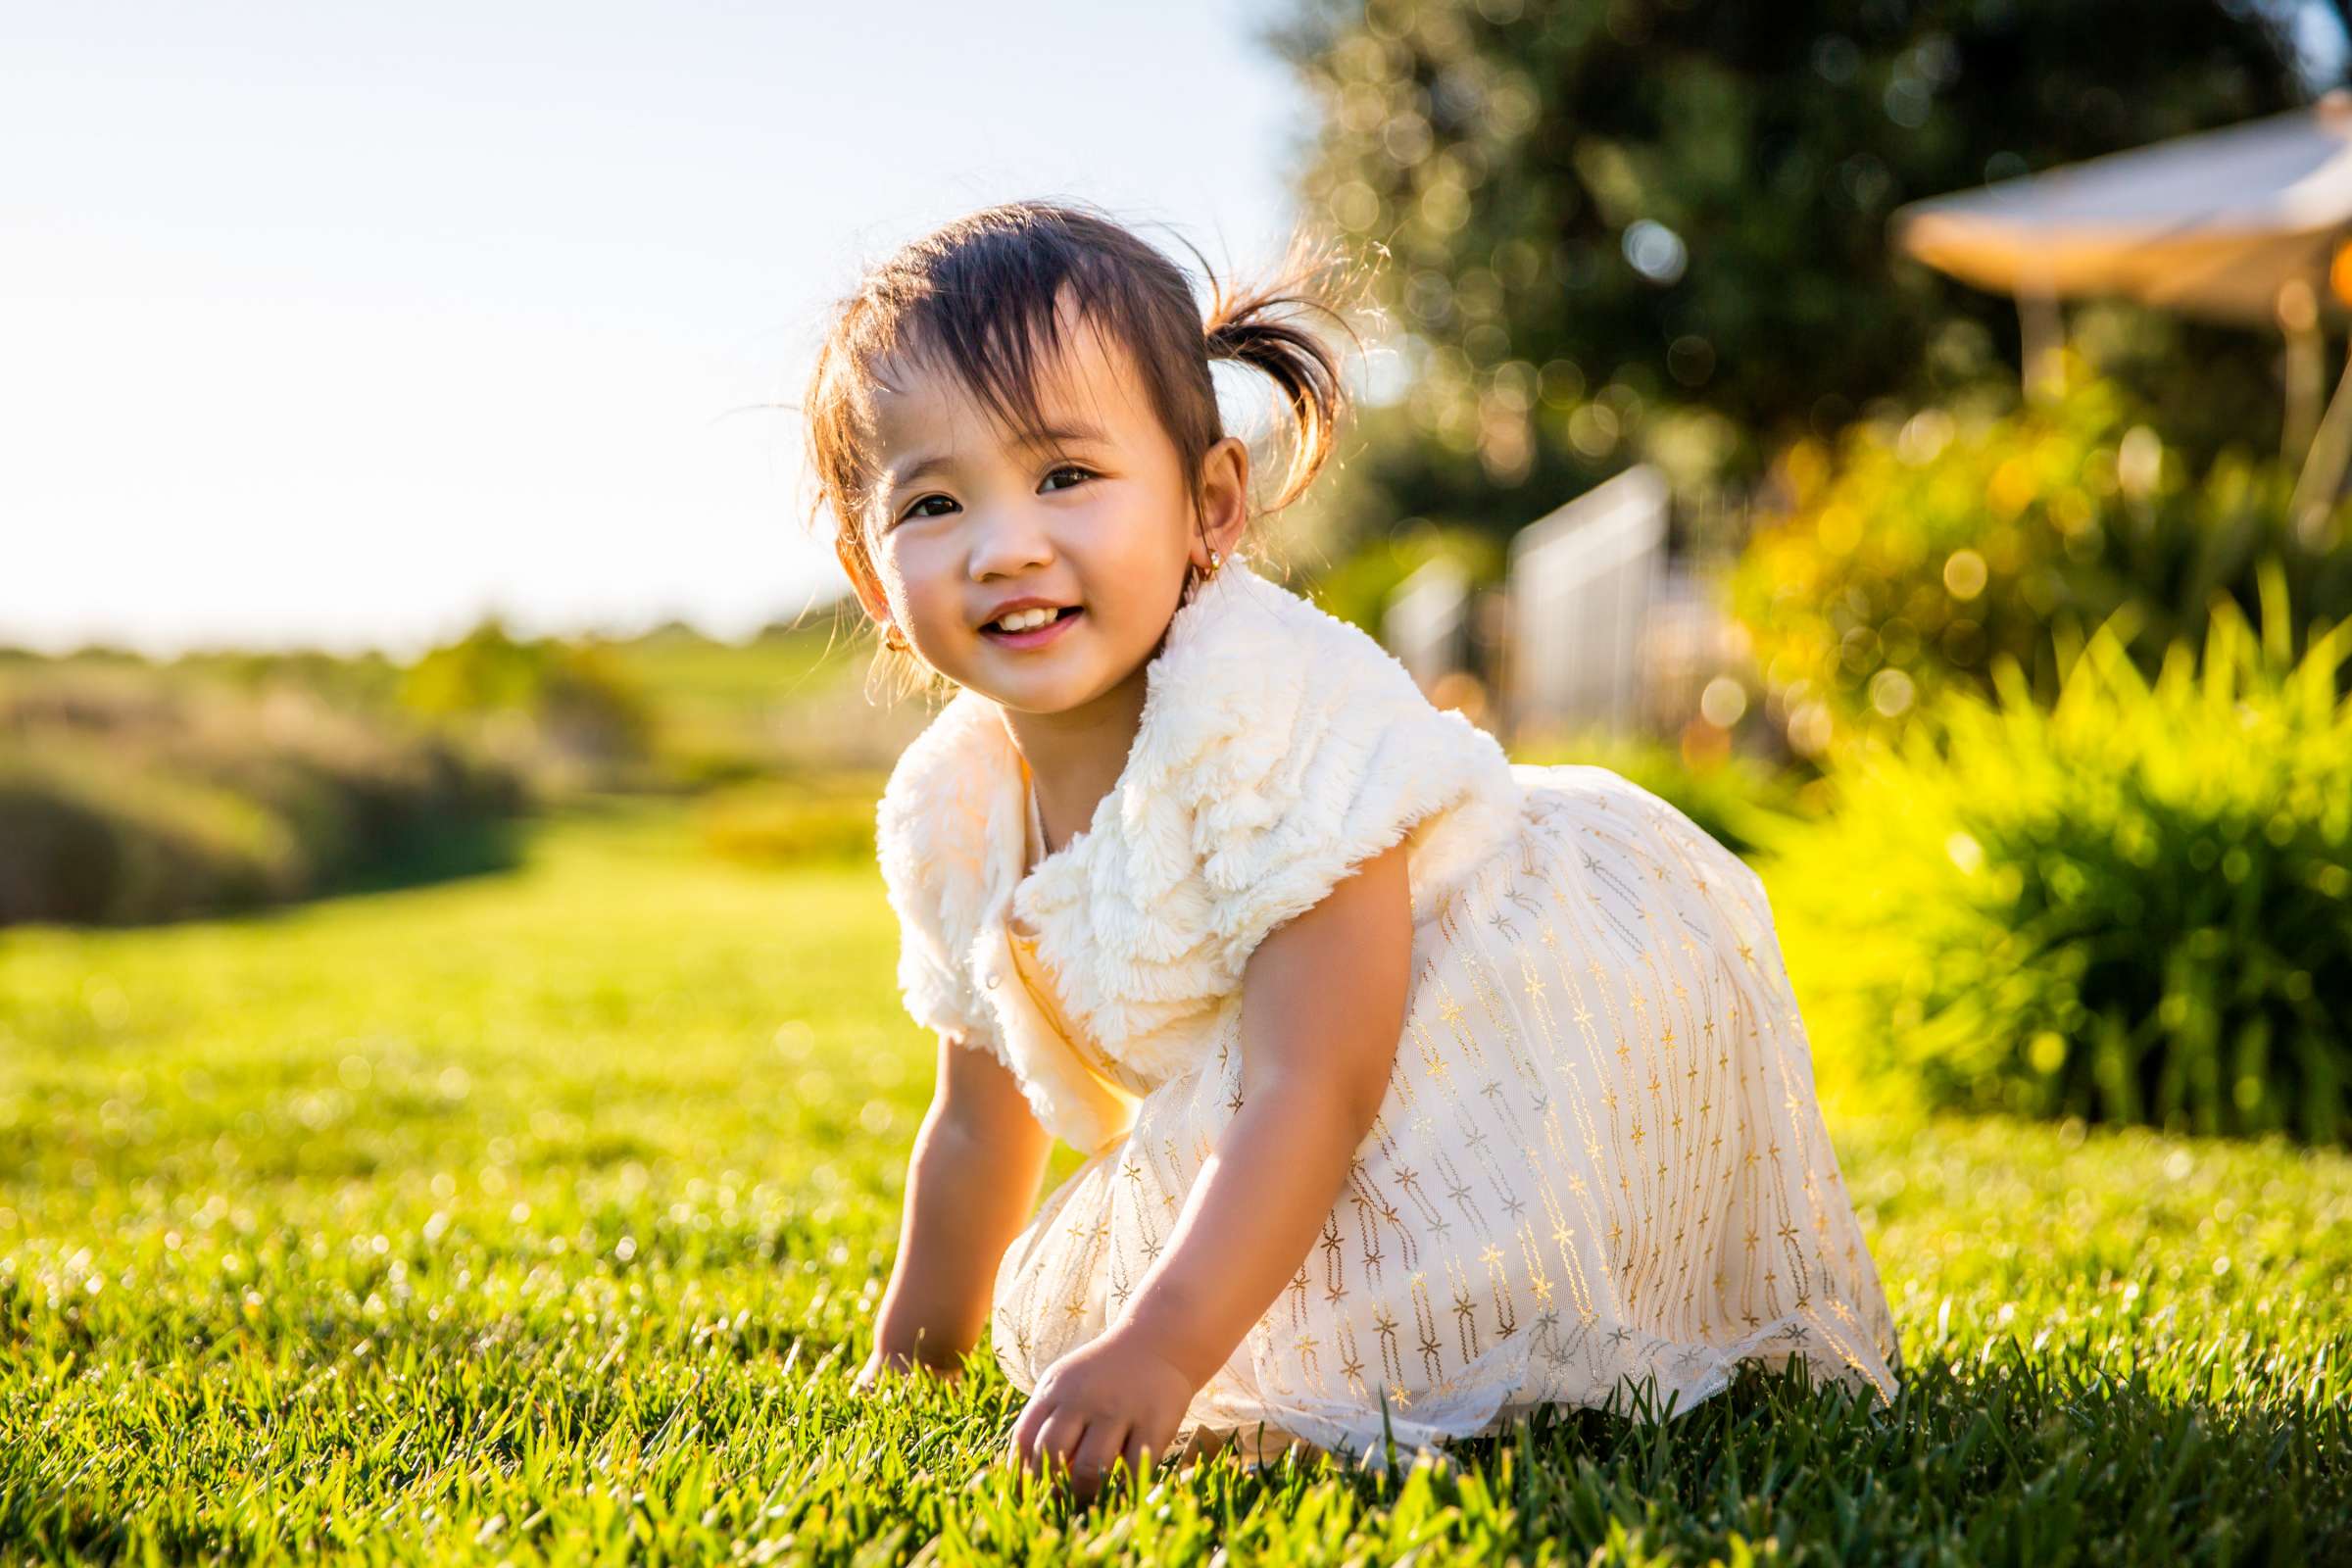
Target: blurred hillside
point(138, 789)
point(131, 793)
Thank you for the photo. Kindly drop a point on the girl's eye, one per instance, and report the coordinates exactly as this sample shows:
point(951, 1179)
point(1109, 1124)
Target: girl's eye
point(916, 510)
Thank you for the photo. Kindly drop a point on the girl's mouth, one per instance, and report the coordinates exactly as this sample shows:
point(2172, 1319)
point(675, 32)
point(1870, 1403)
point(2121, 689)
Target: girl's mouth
point(1035, 636)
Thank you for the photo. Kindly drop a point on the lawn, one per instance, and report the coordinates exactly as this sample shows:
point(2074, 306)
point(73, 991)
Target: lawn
point(541, 1216)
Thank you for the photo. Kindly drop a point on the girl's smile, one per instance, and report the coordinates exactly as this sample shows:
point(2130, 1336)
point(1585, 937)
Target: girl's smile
point(1032, 636)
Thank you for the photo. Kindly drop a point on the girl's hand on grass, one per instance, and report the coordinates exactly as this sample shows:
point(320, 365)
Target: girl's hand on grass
point(897, 1363)
point(1115, 1399)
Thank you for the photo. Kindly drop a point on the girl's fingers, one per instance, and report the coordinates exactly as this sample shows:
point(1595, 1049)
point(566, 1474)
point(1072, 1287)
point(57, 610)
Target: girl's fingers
point(1057, 1438)
point(1022, 1444)
point(1029, 1446)
point(1090, 1463)
point(1139, 1454)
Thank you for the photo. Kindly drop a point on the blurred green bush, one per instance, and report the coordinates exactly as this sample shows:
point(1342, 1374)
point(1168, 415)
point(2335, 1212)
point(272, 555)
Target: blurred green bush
point(126, 794)
point(810, 816)
point(2133, 906)
point(1926, 551)
point(565, 712)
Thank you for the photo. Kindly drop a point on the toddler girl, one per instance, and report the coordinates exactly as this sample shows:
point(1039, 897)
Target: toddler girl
point(1418, 1088)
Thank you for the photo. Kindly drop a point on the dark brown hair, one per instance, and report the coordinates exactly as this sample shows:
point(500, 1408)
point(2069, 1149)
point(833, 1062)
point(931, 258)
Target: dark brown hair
point(980, 295)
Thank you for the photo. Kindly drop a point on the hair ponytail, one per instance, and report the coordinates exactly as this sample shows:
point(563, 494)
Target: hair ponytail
point(1244, 326)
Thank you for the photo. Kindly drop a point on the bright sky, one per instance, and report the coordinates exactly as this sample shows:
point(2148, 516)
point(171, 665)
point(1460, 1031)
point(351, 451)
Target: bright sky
point(339, 326)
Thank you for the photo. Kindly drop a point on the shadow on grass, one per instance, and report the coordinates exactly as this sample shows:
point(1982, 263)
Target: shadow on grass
point(445, 854)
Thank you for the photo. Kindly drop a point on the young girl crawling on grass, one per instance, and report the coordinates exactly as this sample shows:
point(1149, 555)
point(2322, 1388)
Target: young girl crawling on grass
point(1420, 1088)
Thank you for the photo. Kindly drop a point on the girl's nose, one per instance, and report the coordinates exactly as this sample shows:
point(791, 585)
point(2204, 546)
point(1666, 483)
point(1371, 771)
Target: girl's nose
point(1008, 539)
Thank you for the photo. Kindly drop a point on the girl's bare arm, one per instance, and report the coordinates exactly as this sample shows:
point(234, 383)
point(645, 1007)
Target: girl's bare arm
point(1326, 996)
point(971, 1183)
point(1325, 1004)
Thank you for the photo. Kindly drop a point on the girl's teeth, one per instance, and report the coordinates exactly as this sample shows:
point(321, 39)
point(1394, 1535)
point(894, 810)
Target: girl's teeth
point(1024, 619)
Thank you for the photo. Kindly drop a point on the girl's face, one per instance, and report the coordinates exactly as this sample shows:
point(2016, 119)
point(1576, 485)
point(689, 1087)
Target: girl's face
point(1094, 514)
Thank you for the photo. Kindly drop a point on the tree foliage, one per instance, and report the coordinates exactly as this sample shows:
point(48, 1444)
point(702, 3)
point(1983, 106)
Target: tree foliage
point(1658, 228)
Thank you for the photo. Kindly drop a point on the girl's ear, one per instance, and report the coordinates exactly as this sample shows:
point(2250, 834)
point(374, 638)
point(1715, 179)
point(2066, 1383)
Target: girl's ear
point(875, 606)
point(1224, 498)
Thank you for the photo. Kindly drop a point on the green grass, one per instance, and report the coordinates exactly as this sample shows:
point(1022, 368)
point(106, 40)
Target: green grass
point(542, 1217)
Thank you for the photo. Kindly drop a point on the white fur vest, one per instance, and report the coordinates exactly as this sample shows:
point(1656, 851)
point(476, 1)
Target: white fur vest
point(1278, 747)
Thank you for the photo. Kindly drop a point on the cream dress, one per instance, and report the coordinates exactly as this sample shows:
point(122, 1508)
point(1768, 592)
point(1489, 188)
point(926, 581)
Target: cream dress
point(1600, 1170)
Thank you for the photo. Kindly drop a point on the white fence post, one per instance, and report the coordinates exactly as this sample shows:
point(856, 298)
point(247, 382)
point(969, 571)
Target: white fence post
point(1581, 582)
point(1426, 623)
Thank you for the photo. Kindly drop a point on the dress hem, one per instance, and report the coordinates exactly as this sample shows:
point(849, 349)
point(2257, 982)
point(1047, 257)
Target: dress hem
point(1267, 1440)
